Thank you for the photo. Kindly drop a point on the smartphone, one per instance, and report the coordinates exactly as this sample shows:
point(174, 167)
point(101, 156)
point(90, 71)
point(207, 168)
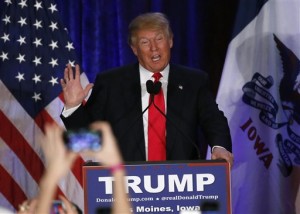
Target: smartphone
point(56, 206)
point(82, 139)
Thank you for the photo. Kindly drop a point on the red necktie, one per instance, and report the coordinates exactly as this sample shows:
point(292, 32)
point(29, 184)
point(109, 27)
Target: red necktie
point(157, 126)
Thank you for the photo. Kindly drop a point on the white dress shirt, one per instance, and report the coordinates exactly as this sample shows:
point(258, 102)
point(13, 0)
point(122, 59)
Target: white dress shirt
point(145, 75)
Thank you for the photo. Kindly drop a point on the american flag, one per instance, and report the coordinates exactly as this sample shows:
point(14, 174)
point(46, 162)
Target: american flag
point(34, 50)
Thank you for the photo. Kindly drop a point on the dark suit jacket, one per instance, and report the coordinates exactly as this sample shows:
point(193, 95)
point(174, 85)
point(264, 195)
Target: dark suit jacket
point(116, 98)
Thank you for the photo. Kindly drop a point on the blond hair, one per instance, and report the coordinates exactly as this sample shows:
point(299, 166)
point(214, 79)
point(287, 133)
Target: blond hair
point(149, 21)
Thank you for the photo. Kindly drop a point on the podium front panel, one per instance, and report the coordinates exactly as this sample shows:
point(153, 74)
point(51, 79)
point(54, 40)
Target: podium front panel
point(166, 187)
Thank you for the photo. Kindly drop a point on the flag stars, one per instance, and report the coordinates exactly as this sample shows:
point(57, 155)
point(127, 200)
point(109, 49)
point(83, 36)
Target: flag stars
point(53, 62)
point(38, 24)
point(38, 5)
point(8, 2)
point(52, 8)
point(37, 97)
point(37, 61)
point(53, 45)
point(53, 80)
point(53, 26)
point(72, 63)
point(21, 58)
point(22, 21)
point(23, 3)
point(20, 76)
point(36, 78)
point(6, 19)
point(69, 46)
point(5, 37)
point(21, 40)
point(4, 56)
point(37, 42)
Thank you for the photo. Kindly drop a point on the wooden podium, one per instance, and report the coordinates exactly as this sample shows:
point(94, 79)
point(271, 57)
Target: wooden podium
point(163, 187)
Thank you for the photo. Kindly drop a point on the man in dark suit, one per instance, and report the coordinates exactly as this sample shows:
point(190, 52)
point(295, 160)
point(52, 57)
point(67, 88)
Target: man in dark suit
point(119, 96)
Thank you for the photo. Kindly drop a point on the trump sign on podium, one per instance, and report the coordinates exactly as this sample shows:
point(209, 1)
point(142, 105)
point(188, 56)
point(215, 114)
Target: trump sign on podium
point(162, 187)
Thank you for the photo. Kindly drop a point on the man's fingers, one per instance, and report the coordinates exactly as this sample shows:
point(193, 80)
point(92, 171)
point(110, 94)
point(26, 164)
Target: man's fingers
point(88, 88)
point(70, 72)
point(77, 71)
point(66, 74)
point(62, 83)
point(223, 154)
point(230, 160)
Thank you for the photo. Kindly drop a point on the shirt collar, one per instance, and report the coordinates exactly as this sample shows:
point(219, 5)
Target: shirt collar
point(146, 75)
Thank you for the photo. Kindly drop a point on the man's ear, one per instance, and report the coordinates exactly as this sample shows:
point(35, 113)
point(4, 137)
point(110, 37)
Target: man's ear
point(171, 42)
point(134, 49)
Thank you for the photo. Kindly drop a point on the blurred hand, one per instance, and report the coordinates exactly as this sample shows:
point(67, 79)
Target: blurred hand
point(109, 154)
point(58, 158)
point(222, 153)
point(28, 207)
point(69, 208)
point(73, 92)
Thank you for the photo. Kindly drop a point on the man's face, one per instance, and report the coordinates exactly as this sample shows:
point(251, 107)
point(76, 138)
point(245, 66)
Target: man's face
point(152, 49)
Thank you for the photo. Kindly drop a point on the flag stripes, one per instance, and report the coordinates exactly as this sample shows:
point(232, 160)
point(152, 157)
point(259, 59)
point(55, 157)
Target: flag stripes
point(22, 177)
point(20, 147)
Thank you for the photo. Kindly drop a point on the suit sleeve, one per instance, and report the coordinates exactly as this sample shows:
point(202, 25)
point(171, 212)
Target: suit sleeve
point(212, 120)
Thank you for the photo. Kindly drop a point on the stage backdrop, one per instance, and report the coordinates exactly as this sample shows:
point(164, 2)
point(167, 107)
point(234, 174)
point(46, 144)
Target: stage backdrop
point(202, 30)
point(98, 30)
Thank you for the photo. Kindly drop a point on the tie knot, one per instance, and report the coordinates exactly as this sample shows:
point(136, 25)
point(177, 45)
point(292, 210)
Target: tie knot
point(156, 76)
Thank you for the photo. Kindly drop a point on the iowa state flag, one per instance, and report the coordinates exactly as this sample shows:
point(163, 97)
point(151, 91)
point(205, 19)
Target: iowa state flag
point(260, 95)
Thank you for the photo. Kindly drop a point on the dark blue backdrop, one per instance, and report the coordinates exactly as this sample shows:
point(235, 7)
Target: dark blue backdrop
point(98, 28)
point(202, 30)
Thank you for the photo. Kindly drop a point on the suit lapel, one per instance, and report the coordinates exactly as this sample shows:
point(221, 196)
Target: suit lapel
point(131, 87)
point(132, 94)
point(176, 89)
point(175, 102)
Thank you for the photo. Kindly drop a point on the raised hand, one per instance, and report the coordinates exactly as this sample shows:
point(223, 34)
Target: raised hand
point(73, 91)
point(110, 157)
point(58, 159)
point(58, 163)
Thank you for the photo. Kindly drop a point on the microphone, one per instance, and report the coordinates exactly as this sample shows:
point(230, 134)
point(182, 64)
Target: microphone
point(150, 86)
point(153, 89)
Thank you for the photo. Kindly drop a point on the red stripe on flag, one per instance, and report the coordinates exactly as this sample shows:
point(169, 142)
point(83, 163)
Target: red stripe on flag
point(61, 97)
point(21, 148)
point(42, 118)
point(10, 189)
point(77, 170)
point(59, 192)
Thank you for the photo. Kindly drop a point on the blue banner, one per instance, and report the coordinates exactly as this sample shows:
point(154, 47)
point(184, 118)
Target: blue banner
point(163, 187)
